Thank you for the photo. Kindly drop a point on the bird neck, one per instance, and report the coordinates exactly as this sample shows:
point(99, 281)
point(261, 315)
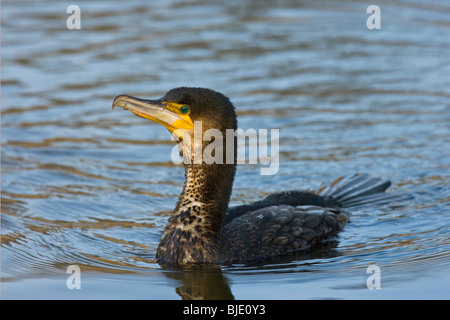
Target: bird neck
point(193, 232)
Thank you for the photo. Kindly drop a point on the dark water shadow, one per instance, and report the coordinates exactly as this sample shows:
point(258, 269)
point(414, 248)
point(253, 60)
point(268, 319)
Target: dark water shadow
point(203, 283)
point(212, 283)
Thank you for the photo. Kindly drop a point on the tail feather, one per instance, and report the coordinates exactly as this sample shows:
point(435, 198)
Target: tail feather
point(361, 190)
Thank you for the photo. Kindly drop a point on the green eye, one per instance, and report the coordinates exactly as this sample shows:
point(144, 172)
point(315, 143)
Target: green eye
point(185, 109)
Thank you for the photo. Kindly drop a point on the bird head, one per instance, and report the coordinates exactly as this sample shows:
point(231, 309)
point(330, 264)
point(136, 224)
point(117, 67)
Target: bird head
point(179, 108)
point(182, 108)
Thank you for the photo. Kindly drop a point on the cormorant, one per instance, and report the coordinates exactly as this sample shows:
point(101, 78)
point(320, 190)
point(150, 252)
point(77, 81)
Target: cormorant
point(203, 230)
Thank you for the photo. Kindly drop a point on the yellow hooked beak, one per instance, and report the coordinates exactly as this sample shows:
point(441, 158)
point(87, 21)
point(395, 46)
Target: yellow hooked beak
point(169, 114)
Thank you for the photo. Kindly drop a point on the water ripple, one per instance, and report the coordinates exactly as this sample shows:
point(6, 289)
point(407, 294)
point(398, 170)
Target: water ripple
point(82, 184)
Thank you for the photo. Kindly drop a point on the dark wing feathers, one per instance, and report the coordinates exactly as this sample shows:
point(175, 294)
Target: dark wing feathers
point(278, 230)
point(294, 220)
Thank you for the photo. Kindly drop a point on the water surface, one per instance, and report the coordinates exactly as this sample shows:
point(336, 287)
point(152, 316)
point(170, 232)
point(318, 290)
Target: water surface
point(84, 185)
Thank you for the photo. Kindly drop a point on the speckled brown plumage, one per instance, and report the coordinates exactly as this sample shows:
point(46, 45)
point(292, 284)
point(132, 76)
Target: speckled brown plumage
point(200, 231)
point(193, 233)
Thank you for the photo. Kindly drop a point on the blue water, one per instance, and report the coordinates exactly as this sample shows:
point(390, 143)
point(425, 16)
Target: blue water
point(84, 185)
